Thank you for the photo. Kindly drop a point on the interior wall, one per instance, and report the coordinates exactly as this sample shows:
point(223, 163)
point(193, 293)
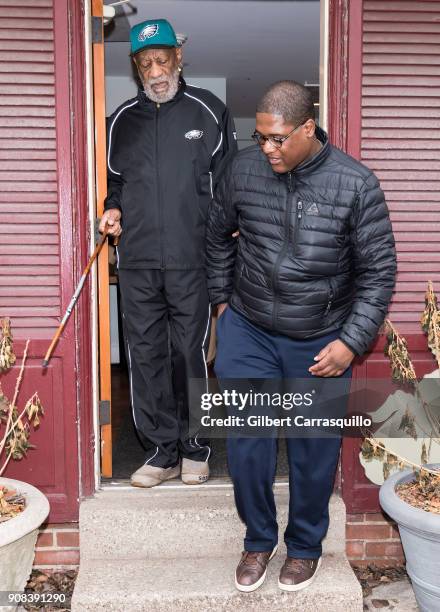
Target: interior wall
point(245, 126)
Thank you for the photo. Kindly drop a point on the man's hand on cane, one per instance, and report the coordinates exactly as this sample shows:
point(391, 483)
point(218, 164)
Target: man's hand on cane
point(110, 222)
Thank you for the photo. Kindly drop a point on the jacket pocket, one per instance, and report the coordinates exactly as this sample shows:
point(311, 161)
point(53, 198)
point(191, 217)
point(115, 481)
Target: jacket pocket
point(330, 298)
point(239, 275)
point(202, 182)
point(202, 179)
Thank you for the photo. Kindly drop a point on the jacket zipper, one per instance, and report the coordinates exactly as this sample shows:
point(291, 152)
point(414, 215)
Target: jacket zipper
point(299, 208)
point(159, 202)
point(282, 252)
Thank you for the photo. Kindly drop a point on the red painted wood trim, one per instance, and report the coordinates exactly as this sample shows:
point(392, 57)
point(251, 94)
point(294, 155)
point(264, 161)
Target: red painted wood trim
point(81, 237)
point(64, 159)
point(337, 79)
point(354, 101)
point(65, 163)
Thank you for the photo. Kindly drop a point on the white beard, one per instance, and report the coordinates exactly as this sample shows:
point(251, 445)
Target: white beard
point(166, 96)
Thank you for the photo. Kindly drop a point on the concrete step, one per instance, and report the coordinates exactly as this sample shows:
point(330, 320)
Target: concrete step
point(175, 548)
point(205, 583)
point(169, 521)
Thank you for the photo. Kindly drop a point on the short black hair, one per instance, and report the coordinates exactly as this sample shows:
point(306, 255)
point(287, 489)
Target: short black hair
point(290, 99)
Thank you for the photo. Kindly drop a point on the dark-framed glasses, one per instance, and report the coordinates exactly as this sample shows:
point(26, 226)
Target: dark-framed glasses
point(275, 141)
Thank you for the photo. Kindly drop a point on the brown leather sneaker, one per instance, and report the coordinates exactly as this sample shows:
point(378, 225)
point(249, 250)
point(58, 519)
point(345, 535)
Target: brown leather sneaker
point(251, 571)
point(297, 574)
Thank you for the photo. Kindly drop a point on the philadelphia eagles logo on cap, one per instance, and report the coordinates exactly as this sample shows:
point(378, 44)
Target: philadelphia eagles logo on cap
point(194, 134)
point(148, 32)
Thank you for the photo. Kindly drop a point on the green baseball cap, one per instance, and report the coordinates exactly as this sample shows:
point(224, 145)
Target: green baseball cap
point(152, 33)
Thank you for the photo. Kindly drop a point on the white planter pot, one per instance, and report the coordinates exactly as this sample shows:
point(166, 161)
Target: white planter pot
point(420, 535)
point(18, 537)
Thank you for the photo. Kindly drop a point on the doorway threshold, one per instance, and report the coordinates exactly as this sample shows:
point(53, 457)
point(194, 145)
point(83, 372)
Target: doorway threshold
point(122, 484)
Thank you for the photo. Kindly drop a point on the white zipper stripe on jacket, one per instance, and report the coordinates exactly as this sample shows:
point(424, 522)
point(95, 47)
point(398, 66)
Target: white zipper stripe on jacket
point(216, 120)
point(206, 373)
point(110, 135)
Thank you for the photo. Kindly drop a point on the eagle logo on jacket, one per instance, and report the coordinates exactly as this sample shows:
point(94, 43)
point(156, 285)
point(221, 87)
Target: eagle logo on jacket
point(148, 32)
point(194, 134)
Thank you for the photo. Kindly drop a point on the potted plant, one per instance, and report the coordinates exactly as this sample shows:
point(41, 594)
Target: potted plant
point(22, 507)
point(411, 497)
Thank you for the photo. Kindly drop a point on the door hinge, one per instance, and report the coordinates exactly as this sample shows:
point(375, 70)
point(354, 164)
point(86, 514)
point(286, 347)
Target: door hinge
point(104, 412)
point(97, 30)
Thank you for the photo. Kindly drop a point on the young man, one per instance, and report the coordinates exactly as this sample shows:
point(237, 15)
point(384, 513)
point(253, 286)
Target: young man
point(303, 290)
point(164, 149)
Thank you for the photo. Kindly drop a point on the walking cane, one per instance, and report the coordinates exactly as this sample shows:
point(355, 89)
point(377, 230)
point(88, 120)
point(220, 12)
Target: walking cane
point(75, 297)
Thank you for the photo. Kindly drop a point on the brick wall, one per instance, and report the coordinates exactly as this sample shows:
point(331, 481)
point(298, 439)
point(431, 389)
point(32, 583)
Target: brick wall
point(57, 547)
point(373, 538)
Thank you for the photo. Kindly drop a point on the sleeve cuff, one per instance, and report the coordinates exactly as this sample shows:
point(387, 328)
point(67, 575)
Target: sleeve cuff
point(348, 345)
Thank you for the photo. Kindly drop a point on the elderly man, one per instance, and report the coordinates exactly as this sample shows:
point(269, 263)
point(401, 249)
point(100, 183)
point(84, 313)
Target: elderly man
point(164, 150)
point(302, 292)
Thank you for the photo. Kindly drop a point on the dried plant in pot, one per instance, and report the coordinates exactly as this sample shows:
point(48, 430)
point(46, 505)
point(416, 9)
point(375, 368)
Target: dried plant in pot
point(411, 496)
point(22, 507)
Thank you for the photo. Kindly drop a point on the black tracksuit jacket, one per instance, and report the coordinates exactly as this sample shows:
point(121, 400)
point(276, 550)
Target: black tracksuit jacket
point(316, 248)
point(163, 160)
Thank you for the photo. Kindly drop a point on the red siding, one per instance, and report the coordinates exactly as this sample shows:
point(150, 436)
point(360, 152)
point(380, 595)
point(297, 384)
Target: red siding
point(42, 206)
point(29, 210)
point(400, 137)
point(393, 101)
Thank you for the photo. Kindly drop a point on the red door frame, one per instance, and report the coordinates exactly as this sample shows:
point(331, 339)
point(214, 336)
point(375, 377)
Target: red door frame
point(75, 238)
point(344, 120)
point(71, 117)
point(344, 104)
point(81, 245)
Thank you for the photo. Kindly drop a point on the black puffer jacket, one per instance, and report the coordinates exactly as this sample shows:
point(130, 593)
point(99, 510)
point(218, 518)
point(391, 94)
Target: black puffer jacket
point(316, 249)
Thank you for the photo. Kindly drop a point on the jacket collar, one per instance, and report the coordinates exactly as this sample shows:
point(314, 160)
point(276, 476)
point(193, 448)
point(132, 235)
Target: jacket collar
point(145, 101)
point(312, 163)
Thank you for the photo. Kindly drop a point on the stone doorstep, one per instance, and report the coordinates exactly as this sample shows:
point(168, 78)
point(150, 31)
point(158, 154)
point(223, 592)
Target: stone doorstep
point(199, 584)
point(175, 549)
point(166, 522)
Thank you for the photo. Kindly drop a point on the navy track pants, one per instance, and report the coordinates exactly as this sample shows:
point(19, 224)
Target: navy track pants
point(247, 351)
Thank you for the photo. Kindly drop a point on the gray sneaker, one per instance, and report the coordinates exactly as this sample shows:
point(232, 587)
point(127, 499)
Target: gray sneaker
point(150, 476)
point(194, 472)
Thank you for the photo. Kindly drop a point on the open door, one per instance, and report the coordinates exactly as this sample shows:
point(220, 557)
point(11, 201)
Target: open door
point(103, 271)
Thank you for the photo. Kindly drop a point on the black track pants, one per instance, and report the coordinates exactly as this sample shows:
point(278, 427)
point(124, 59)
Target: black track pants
point(167, 322)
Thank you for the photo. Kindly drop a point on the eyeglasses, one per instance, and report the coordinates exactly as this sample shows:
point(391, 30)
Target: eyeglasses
point(275, 141)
